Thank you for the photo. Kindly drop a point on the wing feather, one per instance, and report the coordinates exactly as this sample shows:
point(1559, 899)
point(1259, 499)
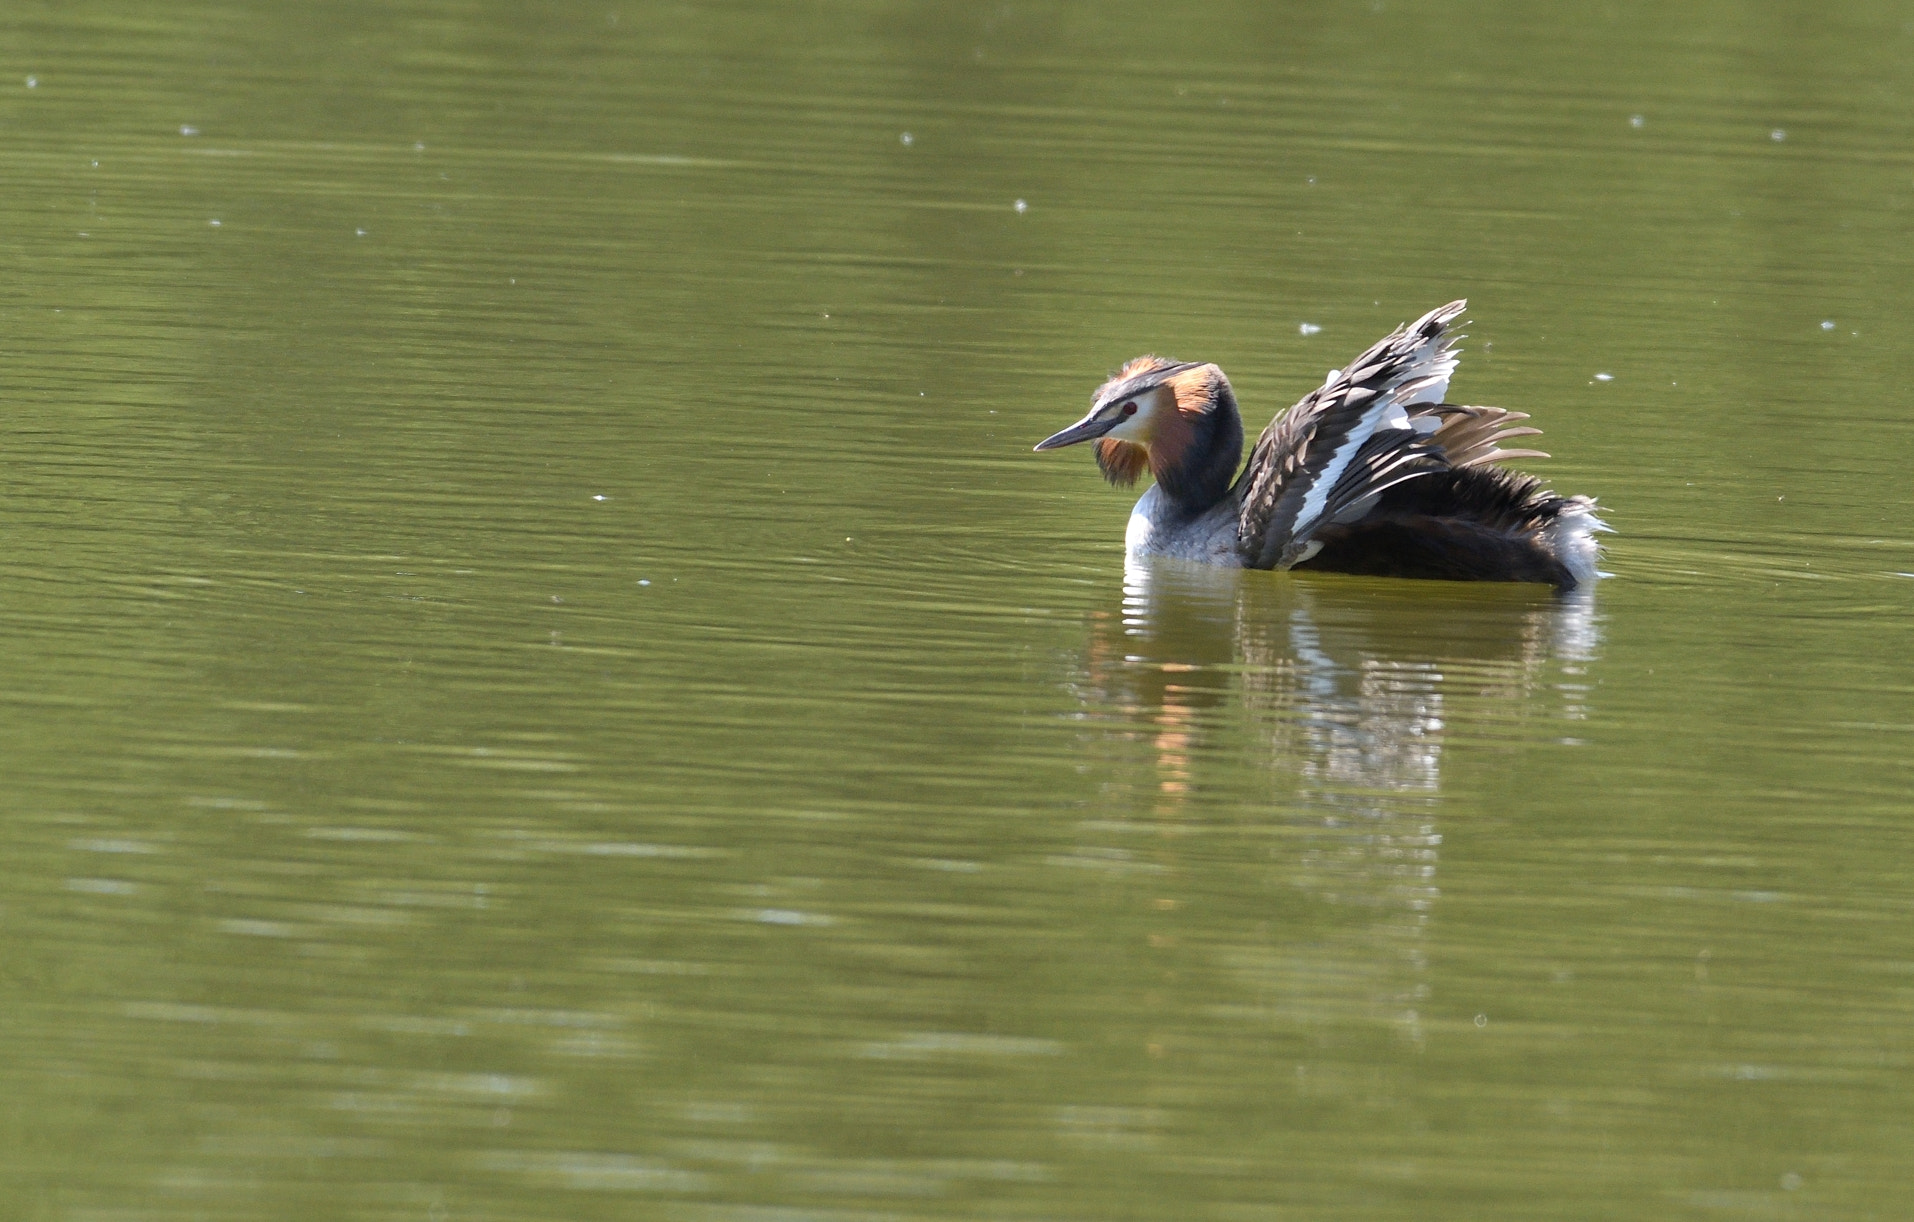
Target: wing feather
point(1315, 460)
point(1470, 436)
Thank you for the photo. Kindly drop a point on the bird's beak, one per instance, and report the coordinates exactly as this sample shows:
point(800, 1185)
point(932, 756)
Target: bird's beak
point(1086, 429)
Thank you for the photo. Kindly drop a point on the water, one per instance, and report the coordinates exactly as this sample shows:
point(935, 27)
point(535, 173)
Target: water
point(540, 678)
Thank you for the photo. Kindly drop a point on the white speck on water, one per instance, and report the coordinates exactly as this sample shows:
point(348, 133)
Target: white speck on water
point(1312, 180)
point(1827, 324)
point(1022, 205)
point(360, 232)
point(1604, 377)
point(110, 846)
point(644, 581)
point(101, 886)
point(188, 131)
point(785, 916)
point(1778, 135)
point(1635, 120)
point(599, 496)
point(1481, 1020)
point(906, 139)
point(1791, 1182)
point(419, 147)
point(1309, 328)
point(214, 222)
point(33, 82)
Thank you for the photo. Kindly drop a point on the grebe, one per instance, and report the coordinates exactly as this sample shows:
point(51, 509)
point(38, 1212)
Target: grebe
point(1371, 473)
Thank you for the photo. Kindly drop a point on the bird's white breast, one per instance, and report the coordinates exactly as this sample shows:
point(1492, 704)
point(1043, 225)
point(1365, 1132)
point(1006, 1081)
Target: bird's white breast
point(1158, 528)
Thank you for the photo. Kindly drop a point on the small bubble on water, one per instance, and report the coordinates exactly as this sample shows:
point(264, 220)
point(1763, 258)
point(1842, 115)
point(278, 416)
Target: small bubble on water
point(906, 139)
point(1022, 205)
point(1481, 1020)
point(33, 82)
point(1778, 135)
point(188, 131)
point(1635, 120)
point(1827, 324)
point(1604, 377)
point(1308, 328)
point(360, 232)
point(644, 581)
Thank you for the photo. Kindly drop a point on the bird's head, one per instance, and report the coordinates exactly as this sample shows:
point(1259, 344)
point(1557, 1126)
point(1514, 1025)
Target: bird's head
point(1166, 415)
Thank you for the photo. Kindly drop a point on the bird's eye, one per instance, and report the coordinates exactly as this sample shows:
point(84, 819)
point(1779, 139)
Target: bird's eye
point(1128, 409)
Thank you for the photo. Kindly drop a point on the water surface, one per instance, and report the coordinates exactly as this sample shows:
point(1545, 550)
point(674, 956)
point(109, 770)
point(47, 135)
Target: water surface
point(540, 678)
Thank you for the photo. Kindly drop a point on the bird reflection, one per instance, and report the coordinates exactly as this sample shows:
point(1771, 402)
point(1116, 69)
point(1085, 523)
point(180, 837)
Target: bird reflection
point(1344, 694)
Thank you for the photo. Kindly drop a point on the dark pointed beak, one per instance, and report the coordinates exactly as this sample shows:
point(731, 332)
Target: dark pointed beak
point(1087, 429)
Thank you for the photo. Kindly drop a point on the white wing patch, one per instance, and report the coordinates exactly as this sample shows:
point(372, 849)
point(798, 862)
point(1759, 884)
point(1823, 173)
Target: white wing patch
point(1435, 360)
point(1424, 379)
point(1318, 495)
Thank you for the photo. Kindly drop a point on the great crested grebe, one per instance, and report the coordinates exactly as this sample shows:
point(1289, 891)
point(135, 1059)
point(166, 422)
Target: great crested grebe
point(1371, 473)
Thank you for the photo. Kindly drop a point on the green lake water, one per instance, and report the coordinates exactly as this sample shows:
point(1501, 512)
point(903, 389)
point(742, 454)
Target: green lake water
point(540, 679)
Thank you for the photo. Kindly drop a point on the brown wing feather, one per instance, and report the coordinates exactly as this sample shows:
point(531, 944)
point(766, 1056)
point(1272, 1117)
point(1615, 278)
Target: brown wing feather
point(1469, 436)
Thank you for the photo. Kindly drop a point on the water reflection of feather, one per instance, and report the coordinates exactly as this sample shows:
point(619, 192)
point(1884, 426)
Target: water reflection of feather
point(1349, 693)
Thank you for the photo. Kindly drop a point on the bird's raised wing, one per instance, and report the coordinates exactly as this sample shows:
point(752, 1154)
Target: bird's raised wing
point(1330, 457)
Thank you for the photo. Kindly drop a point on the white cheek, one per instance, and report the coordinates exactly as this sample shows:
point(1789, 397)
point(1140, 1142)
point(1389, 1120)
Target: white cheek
point(1130, 430)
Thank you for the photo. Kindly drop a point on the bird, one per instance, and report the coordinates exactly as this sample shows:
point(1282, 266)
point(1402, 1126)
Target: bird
point(1370, 473)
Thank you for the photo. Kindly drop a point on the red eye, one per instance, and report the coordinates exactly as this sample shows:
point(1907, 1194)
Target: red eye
point(1129, 409)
